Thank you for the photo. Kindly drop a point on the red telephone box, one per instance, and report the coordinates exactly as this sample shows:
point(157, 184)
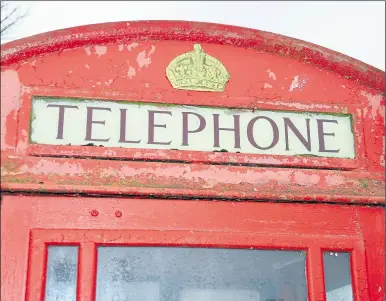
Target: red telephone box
point(189, 161)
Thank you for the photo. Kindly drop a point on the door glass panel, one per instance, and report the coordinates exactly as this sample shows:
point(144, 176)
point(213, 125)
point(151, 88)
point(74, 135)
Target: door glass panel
point(337, 276)
point(199, 274)
point(62, 266)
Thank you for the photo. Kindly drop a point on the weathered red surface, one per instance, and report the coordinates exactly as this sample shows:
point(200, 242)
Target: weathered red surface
point(313, 228)
point(123, 61)
point(192, 32)
point(110, 177)
point(127, 61)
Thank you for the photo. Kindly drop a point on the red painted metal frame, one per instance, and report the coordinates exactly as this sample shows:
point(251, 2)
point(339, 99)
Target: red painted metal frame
point(68, 221)
point(89, 240)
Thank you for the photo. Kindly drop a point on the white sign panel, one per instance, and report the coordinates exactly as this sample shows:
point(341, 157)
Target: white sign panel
point(156, 126)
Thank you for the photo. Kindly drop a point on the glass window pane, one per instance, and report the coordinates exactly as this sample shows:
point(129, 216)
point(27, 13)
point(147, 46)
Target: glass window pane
point(337, 276)
point(199, 274)
point(62, 267)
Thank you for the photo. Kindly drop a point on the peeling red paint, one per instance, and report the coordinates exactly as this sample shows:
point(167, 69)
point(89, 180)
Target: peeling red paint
point(228, 181)
point(376, 103)
point(196, 32)
point(306, 179)
point(132, 46)
point(43, 168)
point(10, 102)
point(100, 50)
point(271, 74)
point(127, 61)
point(131, 72)
point(334, 180)
point(144, 59)
point(129, 66)
point(298, 82)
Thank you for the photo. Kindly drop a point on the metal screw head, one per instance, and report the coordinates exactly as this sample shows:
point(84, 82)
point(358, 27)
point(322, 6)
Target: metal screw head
point(118, 213)
point(94, 212)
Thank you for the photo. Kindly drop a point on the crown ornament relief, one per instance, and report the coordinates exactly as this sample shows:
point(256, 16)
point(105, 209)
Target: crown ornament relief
point(198, 71)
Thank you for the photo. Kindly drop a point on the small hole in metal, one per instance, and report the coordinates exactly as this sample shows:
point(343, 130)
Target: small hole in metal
point(94, 212)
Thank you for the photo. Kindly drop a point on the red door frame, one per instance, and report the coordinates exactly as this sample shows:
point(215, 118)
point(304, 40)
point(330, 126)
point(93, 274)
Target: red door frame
point(89, 222)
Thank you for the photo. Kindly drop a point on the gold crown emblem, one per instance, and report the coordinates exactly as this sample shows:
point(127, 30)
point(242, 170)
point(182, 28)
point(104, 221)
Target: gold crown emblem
point(196, 70)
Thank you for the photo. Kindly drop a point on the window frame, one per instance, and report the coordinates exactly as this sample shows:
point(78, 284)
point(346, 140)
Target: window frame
point(88, 241)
